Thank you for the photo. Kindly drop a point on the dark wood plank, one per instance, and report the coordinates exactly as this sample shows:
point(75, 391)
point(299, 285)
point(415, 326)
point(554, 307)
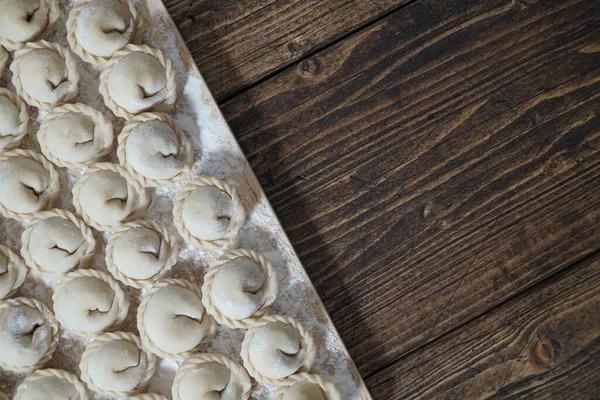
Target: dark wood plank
point(435, 164)
point(542, 344)
point(236, 43)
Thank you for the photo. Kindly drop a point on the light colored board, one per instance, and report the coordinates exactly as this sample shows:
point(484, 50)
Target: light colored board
point(219, 155)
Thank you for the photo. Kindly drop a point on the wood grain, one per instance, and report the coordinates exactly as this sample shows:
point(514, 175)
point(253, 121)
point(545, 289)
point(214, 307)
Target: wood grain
point(433, 165)
point(542, 344)
point(236, 43)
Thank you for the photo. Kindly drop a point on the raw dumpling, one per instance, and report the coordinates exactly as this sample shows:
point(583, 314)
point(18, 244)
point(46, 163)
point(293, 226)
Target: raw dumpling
point(28, 183)
point(140, 253)
point(96, 29)
point(209, 376)
point(155, 150)
point(276, 347)
point(45, 75)
point(88, 302)
point(51, 384)
point(115, 364)
point(239, 288)
point(172, 320)
point(305, 386)
point(208, 213)
point(14, 119)
point(75, 136)
point(57, 242)
point(12, 272)
point(3, 61)
point(106, 196)
point(138, 79)
point(28, 334)
point(23, 21)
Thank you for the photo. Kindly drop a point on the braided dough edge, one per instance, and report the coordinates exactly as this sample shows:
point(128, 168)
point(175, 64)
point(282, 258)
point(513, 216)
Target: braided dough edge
point(141, 198)
point(191, 363)
point(53, 185)
point(148, 344)
point(148, 396)
point(108, 337)
point(17, 263)
point(165, 235)
point(36, 268)
point(103, 129)
point(171, 88)
point(53, 15)
point(235, 224)
point(56, 373)
point(308, 346)
point(49, 317)
point(186, 154)
point(328, 387)
point(269, 295)
point(99, 61)
point(122, 303)
point(72, 72)
point(23, 117)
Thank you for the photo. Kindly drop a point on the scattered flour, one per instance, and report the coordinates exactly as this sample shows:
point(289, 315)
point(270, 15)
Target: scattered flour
point(218, 155)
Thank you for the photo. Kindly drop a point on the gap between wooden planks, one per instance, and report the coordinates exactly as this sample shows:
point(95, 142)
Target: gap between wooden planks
point(239, 42)
point(542, 344)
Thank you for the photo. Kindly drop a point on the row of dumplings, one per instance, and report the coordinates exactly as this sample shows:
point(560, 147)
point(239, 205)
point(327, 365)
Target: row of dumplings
point(137, 83)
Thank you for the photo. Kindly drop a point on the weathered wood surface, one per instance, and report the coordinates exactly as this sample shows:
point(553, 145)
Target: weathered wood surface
point(431, 166)
point(542, 344)
point(427, 167)
point(238, 42)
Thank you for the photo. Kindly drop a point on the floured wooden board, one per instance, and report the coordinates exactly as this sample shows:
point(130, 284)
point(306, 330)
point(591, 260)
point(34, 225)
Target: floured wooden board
point(217, 154)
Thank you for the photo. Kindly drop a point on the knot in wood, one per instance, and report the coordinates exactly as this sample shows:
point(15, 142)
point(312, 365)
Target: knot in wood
point(546, 350)
point(294, 46)
point(309, 68)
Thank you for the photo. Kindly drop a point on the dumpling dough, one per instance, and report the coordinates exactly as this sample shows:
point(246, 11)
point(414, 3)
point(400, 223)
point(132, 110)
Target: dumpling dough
point(172, 320)
point(28, 183)
point(106, 196)
point(138, 79)
point(45, 75)
point(140, 253)
point(305, 386)
point(56, 243)
point(13, 119)
point(51, 384)
point(208, 213)
point(3, 396)
point(3, 61)
point(28, 336)
point(75, 136)
point(304, 391)
point(88, 302)
point(155, 149)
point(239, 288)
point(24, 21)
point(12, 272)
point(211, 377)
point(99, 28)
point(276, 347)
point(115, 364)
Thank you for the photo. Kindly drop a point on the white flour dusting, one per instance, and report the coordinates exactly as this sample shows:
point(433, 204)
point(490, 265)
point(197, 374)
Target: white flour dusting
point(218, 155)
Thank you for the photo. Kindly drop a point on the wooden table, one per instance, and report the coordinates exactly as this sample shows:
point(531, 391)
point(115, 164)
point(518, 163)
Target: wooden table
point(436, 165)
